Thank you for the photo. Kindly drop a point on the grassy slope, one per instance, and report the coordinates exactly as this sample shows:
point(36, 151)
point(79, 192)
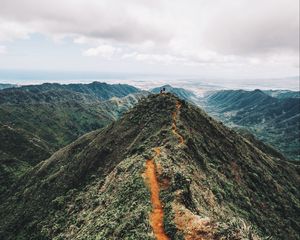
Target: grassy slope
point(68, 173)
point(19, 150)
point(275, 121)
point(37, 122)
point(6, 85)
point(100, 91)
point(283, 93)
point(94, 188)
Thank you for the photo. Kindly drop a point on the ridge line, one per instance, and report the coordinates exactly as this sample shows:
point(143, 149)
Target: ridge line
point(157, 213)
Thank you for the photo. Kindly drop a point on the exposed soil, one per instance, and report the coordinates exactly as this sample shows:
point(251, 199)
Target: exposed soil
point(157, 213)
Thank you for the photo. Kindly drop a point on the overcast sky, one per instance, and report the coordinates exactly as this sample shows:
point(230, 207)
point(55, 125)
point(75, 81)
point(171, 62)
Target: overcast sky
point(215, 38)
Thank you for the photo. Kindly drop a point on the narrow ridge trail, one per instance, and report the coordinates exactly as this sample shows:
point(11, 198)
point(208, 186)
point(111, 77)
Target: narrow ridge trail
point(157, 213)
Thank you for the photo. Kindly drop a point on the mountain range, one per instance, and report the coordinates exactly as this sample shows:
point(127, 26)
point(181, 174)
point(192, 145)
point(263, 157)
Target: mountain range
point(36, 121)
point(164, 170)
point(6, 85)
point(272, 116)
point(100, 161)
point(179, 92)
point(283, 93)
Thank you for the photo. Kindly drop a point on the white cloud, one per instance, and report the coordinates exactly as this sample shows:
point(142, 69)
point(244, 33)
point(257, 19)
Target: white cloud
point(104, 19)
point(2, 49)
point(11, 30)
point(105, 51)
point(191, 32)
point(250, 27)
point(155, 58)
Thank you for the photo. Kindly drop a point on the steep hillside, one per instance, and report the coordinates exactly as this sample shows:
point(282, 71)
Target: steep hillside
point(64, 119)
point(22, 96)
point(274, 120)
point(165, 170)
point(19, 150)
point(36, 124)
point(98, 90)
point(6, 85)
point(283, 93)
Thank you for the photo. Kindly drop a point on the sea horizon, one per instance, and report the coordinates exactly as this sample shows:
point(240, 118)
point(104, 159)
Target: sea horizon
point(146, 81)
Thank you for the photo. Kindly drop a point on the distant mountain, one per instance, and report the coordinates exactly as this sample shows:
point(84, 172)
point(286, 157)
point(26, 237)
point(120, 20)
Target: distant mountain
point(6, 85)
point(179, 92)
point(23, 96)
point(36, 121)
point(100, 91)
point(283, 93)
point(172, 174)
point(274, 120)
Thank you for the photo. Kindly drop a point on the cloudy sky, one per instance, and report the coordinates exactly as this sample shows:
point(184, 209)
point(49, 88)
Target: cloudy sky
point(215, 38)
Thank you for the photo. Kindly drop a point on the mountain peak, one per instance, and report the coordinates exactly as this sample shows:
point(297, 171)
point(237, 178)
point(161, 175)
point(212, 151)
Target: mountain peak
point(179, 92)
point(164, 170)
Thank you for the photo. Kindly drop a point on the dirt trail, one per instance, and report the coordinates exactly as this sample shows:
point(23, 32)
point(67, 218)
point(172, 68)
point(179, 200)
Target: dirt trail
point(157, 213)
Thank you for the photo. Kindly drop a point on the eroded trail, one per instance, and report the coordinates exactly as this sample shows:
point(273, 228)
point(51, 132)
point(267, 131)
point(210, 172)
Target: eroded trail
point(157, 213)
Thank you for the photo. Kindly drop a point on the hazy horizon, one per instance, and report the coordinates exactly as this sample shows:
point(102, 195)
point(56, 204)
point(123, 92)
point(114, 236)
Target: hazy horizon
point(248, 39)
point(147, 81)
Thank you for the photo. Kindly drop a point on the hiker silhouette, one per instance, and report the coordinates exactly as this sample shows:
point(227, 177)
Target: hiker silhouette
point(162, 90)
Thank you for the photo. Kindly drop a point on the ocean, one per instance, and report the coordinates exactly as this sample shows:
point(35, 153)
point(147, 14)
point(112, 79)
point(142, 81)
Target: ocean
point(147, 81)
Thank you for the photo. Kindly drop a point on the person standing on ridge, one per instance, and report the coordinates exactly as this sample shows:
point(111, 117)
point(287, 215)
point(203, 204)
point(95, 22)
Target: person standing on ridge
point(162, 90)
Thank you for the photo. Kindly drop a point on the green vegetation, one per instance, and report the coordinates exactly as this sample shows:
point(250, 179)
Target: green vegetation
point(283, 93)
point(94, 187)
point(39, 93)
point(274, 120)
point(36, 121)
point(6, 85)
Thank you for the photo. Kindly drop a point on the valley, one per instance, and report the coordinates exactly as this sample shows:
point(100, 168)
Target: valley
point(273, 119)
point(226, 186)
point(149, 120)
point(36, 121)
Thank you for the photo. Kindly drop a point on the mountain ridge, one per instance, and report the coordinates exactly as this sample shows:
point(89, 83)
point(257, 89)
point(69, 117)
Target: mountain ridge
point(94, 90)
point(274, 120)
point(226, 186)
point(36, 121)
point(179, 92)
